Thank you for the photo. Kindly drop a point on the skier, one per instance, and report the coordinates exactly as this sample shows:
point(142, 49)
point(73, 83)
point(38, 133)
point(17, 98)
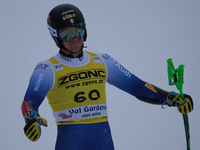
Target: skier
point(74, 82)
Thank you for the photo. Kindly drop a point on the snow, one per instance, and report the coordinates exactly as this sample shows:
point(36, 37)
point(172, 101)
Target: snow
point(140, 34)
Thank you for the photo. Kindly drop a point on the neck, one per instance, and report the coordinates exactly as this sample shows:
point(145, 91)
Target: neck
point(70, 53)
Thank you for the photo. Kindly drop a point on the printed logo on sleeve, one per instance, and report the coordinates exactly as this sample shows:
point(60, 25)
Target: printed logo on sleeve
point(106, 56)
point(123, 70)
point(38, 83)
point(41, 66)
point(151, 87)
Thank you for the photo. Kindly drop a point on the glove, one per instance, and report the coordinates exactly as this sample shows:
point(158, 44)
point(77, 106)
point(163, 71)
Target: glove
point(33, 122)
point(184, 105)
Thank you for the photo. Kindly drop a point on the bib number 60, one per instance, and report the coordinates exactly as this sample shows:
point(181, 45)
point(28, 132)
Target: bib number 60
point(80, 96)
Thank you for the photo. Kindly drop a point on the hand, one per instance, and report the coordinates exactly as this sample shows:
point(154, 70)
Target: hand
point(33, 122)
point(184, 105)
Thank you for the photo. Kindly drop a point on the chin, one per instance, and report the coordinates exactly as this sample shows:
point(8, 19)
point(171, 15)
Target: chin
point(75, 49)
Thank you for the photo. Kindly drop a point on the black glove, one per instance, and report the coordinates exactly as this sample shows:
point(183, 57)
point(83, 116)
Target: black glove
point(184, 105)
point(33, 122)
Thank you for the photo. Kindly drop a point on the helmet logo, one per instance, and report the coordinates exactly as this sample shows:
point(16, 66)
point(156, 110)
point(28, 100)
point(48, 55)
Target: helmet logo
point(71, 20)
point(66, 12)
point(49, 19)
point(69, 16)
point(52, 31)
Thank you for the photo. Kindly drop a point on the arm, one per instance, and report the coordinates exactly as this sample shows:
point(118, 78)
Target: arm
point(146, 92)
point(123, 79)
point(40, 83)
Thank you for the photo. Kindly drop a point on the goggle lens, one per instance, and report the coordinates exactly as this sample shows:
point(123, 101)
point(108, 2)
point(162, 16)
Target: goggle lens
point(68, 33)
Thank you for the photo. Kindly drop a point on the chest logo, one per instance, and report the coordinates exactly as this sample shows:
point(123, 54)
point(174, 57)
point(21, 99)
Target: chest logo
point(96, 59)
point(82, 75)
point(58, 67)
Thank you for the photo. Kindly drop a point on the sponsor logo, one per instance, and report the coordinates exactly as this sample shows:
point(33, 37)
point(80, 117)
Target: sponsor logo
point(65, 58)
point(71, 20)
point(41, 66)
point(84, 83)
point(151, 87)
point(82, 75)
point(49, 19)
point(94, 108)
point(64, 116)
point(37, 85)
point(65, 12)
point(58, 67)
point(96, 59)
point(106, 56)
point(82, 112)
point(69, 16)
point(123, 70)
point(52, 31)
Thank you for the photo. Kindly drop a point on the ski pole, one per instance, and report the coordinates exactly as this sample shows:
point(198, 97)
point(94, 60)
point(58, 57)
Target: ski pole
point(175, 77)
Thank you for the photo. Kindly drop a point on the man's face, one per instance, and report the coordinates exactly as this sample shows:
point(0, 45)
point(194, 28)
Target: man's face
point(74, 45)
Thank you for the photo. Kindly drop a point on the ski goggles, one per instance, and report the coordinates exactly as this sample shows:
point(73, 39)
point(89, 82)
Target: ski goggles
point(68, 33)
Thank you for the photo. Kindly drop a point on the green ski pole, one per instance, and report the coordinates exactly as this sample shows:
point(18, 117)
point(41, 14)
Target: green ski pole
point(175, 77)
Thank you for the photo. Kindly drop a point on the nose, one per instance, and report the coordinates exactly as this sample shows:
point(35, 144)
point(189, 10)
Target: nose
point(74, 39)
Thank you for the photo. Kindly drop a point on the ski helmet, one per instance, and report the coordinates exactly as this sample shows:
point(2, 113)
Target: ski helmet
point(63, 16)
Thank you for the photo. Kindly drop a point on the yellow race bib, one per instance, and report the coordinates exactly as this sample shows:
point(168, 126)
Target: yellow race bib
point(78, 95)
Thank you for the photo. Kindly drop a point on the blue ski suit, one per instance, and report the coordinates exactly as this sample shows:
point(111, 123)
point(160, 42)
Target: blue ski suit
point(75, 88)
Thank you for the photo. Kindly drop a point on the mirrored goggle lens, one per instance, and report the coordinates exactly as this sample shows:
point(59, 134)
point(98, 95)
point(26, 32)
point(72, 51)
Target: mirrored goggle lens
point(68, 33)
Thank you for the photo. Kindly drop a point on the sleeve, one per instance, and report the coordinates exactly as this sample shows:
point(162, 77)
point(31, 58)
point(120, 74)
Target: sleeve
point(40, 83)
point(123, 79)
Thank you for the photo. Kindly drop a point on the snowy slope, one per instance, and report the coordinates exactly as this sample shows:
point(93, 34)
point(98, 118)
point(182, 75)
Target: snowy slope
point(140, 34)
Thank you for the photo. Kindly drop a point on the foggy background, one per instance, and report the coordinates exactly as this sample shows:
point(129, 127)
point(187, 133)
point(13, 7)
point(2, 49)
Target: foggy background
point(140, 34)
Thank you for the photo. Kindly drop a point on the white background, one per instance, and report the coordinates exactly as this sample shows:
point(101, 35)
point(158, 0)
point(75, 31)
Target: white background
point(140, 34)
